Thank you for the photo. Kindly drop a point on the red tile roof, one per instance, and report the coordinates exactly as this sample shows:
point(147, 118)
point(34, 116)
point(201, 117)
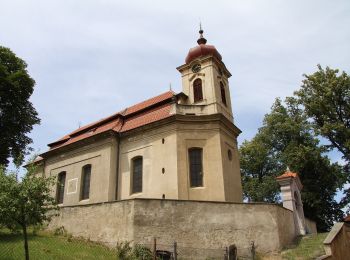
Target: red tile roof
point(149, 102)
point(147, 117)
point(146, 112)
point(287, 174)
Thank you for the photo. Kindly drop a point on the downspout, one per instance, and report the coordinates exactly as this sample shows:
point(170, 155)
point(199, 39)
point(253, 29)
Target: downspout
point(117, 166)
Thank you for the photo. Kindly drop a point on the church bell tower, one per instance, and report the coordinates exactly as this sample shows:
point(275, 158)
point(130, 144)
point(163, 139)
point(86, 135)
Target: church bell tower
point(205, 80)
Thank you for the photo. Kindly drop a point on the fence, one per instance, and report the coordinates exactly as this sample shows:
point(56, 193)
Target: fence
point(48, 246)
point(176, 251)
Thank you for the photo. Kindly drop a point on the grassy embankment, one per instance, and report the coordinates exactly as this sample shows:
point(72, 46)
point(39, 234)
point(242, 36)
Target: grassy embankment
point(48, 246)
point(45, 245)
point(307, 247)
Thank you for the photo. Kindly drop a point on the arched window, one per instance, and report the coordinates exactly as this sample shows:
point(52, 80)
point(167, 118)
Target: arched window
point(197, 90)
point(136, 178)
point(85, 182)
point(61, 181)
point(195, 156)
point(223, 93)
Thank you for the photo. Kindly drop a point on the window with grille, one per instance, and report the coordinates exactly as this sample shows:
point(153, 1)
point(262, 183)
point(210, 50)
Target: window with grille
point(196, 167)
point(61, 181)
point(223, 93)
point(85, 182)
point(197, 90)
point(136, 182)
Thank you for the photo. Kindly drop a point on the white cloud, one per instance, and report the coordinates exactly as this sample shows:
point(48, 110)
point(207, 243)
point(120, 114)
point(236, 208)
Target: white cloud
point(93, 58)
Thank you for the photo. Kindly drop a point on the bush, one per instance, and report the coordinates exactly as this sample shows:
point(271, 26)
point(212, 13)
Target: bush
point(125, 252)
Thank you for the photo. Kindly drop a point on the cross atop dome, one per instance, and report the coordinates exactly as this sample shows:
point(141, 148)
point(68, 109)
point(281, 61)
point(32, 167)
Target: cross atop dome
point(202, 49)
point(201, 39)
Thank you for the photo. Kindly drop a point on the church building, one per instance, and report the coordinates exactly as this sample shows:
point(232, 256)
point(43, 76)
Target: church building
point(180, 146)
point(168, 168)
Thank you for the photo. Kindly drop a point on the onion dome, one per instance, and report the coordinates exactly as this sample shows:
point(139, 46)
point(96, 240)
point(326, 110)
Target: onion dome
point(202, 49)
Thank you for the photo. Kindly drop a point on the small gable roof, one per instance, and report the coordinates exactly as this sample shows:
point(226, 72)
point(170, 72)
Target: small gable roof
point(290, 175)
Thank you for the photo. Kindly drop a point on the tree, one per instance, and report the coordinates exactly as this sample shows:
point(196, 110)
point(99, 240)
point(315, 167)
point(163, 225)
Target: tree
point(17, 114)
point(25, 202)
point(325, 95)
point(286, 139)
point(259, 169)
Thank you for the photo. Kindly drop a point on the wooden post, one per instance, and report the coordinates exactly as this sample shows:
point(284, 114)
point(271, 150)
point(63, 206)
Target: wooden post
point(253, 250)
point(175, 250)
point(154, 249)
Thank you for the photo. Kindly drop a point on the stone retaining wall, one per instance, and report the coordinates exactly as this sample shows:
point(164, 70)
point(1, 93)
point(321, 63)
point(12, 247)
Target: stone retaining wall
point(196, 224)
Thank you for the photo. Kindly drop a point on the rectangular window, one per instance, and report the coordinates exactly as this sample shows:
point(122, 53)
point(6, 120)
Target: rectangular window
point(223, 94)
point(85, 182)
point(196, 168)
point(137, 175)
point(61, 181)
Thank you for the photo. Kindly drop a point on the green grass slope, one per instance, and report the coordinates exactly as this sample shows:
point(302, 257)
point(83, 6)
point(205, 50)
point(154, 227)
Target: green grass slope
point(307, 247)
point(48, 246)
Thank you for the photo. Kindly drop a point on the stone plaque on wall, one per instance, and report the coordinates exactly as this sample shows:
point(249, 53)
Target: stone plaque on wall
point(72, 186)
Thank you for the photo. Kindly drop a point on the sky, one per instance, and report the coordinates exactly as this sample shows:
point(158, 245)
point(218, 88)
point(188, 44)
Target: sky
point(91, 59)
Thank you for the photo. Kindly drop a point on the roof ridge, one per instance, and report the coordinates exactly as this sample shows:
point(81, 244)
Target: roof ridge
point(131, 110)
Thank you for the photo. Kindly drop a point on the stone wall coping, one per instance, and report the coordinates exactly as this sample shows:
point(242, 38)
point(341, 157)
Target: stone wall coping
point(333, 233)
point(175, 200)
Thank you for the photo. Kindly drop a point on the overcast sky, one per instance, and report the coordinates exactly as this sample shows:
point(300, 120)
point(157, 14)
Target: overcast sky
point(93, 58)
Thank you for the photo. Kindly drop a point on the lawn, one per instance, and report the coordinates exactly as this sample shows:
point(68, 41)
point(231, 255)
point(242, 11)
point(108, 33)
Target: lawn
point(307, 247)
point(47, 246)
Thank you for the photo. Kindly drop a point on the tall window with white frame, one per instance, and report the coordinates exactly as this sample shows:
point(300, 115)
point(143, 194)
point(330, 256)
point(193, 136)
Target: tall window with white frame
point(136, 180)
point(61, 182)
point(85, 182)
point(195, 155)
point(197, 90)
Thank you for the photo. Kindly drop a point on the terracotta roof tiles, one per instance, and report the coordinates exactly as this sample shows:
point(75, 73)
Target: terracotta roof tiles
point(146, 112)
point(149, 102)
point(287, 174)
point(147, 117)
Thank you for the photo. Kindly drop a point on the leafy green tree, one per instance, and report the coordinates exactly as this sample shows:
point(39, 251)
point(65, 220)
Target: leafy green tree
point(257, 165)
point(325, 95)
point(25, 202)
point(286, 139)
point(17, 114)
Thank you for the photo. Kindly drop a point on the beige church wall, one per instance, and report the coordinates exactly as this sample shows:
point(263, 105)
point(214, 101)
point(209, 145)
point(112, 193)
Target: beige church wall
point(231, 168)
point(210, 86)
point(39, 169)
point(205, 136)
point(226, 110)
point(156, 156)
point(206, 225)
point(188, 78)
point(104, 222)
point(103, 171)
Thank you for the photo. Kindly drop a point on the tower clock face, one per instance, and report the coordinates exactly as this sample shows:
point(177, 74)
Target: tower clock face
point(196, 68)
